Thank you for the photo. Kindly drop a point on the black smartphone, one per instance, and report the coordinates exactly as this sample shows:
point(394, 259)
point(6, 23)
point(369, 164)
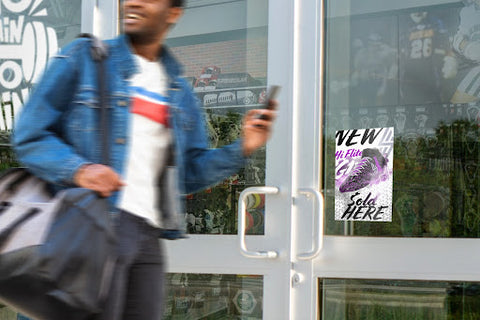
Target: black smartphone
point(272, 93)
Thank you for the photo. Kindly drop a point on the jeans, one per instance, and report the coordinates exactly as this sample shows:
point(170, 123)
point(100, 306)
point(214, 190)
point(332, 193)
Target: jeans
point(137, 290)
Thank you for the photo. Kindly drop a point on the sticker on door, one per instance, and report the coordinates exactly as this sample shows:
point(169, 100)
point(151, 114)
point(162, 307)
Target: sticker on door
point(364, 174)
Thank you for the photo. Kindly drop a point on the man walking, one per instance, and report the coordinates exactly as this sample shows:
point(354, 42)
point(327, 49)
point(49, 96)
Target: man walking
point(154, 117)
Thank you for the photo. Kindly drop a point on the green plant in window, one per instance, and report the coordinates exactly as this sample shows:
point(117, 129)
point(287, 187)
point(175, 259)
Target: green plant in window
point(424, 174)
point(223, 129)
point(214, 210)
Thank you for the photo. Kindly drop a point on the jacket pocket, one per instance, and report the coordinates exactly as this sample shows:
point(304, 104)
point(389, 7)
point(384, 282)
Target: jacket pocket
point(84, 111)
point(82, 123)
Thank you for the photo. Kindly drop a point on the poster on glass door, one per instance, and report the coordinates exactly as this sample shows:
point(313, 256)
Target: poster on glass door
point(364, 174)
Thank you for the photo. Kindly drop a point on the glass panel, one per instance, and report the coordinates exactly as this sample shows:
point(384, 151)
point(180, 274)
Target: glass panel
point(30, 32)
point(223, 47)
point(399, 300)
point(413, 66)
point(214, 297)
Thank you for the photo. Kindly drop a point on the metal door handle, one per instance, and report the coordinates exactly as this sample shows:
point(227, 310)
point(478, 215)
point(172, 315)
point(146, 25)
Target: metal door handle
point(318, 233)
point(242, 217)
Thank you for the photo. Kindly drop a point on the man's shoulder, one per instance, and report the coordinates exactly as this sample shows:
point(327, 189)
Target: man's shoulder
point(75, 48)
point(184, 85)
point(84, 42)
point(114, 42)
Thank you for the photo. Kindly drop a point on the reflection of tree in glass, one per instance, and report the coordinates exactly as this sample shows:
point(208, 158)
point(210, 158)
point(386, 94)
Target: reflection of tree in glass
point(223, 129)
point(436, 185)
point(214, 210)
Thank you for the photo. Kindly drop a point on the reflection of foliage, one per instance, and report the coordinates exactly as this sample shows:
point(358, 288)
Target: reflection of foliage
point(403, 300)
point(462, 300)
point(214, 211)
point(436, 185)
point(4, 137)
point(223, 129)
point(210, 211)
point(7, 158)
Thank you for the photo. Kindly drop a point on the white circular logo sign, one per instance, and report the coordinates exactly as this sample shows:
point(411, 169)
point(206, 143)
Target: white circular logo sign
point(25, 46)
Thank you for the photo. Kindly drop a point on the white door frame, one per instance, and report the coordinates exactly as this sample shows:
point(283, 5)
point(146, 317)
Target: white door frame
point(307, 150)
point(100, 17)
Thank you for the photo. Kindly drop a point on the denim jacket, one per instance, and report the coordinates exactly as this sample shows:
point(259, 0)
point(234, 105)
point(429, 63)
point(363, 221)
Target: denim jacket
point(57, 131)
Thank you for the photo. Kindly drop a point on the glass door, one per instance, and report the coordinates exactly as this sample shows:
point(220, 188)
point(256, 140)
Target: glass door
point(226, 269)
point(399, 174)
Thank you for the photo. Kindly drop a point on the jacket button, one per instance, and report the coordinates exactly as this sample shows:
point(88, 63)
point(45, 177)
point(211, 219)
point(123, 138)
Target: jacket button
point(120, 141)
point(122, 103)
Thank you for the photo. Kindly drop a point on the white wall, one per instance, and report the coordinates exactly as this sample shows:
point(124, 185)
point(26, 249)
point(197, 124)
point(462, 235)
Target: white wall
point(206, 16)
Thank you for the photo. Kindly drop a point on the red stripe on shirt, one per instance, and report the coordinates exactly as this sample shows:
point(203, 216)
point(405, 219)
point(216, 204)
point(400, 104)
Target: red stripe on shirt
point(152, 110)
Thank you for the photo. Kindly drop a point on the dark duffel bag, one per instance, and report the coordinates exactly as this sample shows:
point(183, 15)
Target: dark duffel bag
point(57, 253)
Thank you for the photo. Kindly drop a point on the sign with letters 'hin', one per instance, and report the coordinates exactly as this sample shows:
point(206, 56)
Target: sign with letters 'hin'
point(364, 174)
point(26, 44)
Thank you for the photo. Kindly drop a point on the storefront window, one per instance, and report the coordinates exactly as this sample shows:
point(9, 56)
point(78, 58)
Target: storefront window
point(354, 299)
point(214, 296)
point(413, 67)
point(223, 48)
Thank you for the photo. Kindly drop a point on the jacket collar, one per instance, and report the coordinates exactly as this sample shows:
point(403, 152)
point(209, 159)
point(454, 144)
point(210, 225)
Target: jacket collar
point(122, 54)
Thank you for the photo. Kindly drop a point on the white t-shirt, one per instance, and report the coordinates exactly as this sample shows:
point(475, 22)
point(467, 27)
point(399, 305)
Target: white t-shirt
point(149, 138)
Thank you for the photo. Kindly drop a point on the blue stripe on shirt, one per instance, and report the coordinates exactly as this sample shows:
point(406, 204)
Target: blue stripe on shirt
point(149, 94)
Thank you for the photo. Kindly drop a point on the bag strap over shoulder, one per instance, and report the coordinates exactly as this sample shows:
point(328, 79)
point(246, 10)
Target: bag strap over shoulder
point(21, 175)
point(99, 54)
point(99, 49)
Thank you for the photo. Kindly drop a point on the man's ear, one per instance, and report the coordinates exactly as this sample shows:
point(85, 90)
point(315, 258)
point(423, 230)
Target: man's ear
point(174, 14)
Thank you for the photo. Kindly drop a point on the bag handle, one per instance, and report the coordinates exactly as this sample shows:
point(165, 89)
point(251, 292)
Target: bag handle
point(4, 205)
point(18, 181)
point(99, 52)
point(8, 231)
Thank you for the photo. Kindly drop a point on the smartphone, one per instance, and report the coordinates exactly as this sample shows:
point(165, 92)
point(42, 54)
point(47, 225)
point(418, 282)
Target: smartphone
point(272, 93)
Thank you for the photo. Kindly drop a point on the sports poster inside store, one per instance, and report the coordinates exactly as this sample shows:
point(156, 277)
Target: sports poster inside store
point(364, 174)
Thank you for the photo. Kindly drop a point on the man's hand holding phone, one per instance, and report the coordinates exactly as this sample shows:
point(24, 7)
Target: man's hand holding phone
point(272, 94)
point(257, 123)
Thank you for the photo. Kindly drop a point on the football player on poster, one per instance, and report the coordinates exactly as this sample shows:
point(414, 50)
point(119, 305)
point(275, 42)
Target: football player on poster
point(424, 52)
point(375, 69)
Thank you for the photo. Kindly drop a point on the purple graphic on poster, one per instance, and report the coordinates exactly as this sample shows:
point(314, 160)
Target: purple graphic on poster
point(364, 174)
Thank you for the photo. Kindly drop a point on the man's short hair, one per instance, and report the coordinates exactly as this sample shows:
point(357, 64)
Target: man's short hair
point(177, 3)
